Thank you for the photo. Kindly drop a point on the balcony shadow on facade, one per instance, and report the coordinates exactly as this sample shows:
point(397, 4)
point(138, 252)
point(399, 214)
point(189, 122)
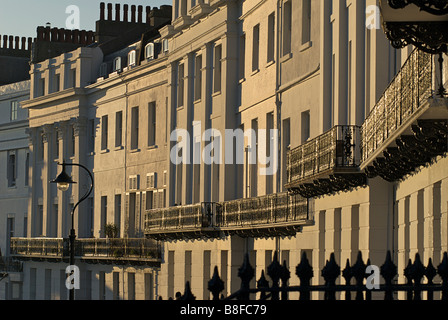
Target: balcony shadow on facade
point(281, 214)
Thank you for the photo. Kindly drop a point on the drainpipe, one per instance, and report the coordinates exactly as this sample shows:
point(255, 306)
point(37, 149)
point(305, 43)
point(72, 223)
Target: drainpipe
point(278, 104)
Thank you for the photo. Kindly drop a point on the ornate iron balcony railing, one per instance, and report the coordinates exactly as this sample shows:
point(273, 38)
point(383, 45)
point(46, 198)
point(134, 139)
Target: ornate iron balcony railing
point(39, 247)
point(404, 96)
point(327, 163)
point(86, 249)
point(408, 127)
point(436, 7)
point(260, 216)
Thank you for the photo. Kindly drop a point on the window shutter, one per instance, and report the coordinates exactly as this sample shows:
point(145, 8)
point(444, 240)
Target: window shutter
point(165, 176)
point(160, 201)
point(126, 208)
point(137, 213)
point(144, 201)
point(155, 200)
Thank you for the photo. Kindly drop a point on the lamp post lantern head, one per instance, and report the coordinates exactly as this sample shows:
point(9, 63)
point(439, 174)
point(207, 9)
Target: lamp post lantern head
point(63, 180)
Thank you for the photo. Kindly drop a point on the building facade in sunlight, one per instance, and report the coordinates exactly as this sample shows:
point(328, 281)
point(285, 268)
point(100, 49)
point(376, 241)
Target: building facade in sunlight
point(216, 129)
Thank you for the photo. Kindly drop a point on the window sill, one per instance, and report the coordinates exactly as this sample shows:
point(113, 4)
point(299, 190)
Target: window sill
point(134, 150)
point(270, 63)
point(197, 100)
point(305, 46)
point(152, 147)
point(104, 151)
point(255, 71)
point(217, 93)
point(117, 148)
point(286, 57)
point(242, 80)
point(179, 108)
point(12, 187)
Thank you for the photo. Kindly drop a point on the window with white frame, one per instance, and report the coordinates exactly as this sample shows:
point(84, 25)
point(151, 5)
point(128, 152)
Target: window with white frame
point(165, 47)
point(117, 64)
point(14, 110)
point(149, 51)
point(132, 58)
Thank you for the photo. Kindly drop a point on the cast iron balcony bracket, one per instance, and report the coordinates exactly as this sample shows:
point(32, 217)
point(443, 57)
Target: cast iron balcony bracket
point(436, 7)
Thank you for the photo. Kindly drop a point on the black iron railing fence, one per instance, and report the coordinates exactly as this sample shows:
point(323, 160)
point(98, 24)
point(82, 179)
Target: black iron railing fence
point(337, 148)
point(269, 209)
point(140, 248)
point(420, 281)
point(404, 96)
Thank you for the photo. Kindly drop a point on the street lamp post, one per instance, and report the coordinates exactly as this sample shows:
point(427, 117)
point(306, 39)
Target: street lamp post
point(63, 182)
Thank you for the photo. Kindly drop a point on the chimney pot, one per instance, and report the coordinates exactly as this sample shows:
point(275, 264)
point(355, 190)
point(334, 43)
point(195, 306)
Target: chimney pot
point(133, 13)
point(109, 11)
point(17, 41)
point(140, 14)
point(102, 7)
point(61, 35)
point(23, 39)
point(11, 42)
point(148, 13)
point(68, 36)
point(125, 12)
point(117, 12)
point(83, 39)
point(54, 35)
point(76, 36)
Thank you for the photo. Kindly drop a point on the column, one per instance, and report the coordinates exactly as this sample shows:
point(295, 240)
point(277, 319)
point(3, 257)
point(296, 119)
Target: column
point(32, 203)
point(186, 122)
point(80, 176)
point(205, 110)
point(46, 178)
point(64, 222)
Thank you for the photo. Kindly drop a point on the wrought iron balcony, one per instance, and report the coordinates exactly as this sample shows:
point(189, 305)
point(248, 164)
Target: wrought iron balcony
point(423, 24)
point(326, 164)
point(407, 128)
point(103, 250)
point(265, 216)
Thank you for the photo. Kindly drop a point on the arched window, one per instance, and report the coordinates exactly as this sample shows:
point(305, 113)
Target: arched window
point(149, 51)
point(131, 58)
point(103, 69)
point(117, 64)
